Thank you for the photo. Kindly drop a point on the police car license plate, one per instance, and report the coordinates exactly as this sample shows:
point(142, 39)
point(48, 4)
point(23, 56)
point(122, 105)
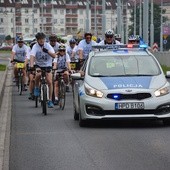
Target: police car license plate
point(130, 105)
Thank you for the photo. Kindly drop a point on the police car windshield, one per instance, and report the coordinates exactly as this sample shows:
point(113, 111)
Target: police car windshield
point(131, 65)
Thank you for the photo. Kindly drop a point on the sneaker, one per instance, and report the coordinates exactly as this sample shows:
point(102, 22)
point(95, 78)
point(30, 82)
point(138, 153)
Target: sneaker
point(30, 96)
point(25, 87)
point(67, 88)
point(14, 80)
point(56, 102)
point(50, 104)
point(36, 92)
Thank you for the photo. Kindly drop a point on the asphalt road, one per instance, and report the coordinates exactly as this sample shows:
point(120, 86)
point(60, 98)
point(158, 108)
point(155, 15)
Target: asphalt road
point(56, 142)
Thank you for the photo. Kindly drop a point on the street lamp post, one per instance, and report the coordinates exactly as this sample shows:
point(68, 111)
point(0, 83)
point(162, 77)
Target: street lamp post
point(140, 18)
point(87, 16)
point(145, 21)
point(42, 9)
point(95, 18)
point(126, 23)
point(53, 16)
point(151, 26)
point(134, 31)
point(123, 24)
point(33, 17)
point(103, 18)
point(161, 29)
point(119, 21)
point(14, 28)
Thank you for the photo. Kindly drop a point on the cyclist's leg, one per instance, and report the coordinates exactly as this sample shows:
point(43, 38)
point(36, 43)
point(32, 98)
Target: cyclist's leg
point(66, 80)
point(24, 78)
point(16, 73)
point(37, 83)
point(50, 85)
point(56, 92)
point(31, 85)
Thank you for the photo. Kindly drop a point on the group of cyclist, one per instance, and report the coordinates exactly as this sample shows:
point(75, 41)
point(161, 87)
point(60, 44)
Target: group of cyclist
point(53, 55)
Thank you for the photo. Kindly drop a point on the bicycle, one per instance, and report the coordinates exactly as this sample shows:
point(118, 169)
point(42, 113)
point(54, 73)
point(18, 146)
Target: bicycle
point(20, 66)
point(75, 66)
point(53, 80)
point(61, 89)
point(44, 91)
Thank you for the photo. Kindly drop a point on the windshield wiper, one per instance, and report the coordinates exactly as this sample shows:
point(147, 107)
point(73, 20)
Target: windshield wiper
point(139, 75)
point(100, 75)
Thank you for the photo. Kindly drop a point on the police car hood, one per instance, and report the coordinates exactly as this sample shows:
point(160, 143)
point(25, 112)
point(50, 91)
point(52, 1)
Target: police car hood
point(138, 82)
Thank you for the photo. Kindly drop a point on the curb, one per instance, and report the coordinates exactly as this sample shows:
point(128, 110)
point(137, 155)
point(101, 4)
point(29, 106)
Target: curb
point(2, 85)
point(5, 118)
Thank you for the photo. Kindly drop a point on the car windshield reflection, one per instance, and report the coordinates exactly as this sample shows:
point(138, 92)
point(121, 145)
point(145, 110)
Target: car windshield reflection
point(104, 66)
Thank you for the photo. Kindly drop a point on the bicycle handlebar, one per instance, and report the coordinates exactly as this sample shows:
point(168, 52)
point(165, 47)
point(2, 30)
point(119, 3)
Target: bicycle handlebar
point(18, 61)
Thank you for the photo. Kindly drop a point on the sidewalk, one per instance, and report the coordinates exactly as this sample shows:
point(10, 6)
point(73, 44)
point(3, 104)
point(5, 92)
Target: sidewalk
point(5, 116)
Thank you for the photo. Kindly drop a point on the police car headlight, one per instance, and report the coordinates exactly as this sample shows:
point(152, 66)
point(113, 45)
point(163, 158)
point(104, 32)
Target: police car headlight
point(162, 91)
point(92, 92)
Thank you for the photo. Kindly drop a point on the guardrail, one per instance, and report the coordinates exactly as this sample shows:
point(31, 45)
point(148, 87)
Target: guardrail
point(163, 58)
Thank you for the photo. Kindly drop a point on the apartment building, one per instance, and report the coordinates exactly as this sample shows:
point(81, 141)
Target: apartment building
point(26, 17)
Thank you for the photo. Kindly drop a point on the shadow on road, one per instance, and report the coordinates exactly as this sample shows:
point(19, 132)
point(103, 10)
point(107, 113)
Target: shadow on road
point(125, 124)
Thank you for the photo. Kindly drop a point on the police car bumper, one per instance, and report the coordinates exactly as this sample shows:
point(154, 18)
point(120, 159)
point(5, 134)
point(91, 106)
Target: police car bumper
point(103, 108)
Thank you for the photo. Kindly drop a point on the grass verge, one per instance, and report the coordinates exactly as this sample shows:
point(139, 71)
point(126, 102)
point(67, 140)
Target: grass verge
point(165, 68)
point(2, 67)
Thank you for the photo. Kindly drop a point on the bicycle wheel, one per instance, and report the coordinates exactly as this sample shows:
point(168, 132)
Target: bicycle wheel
point(20, 84)
point(44, 99)
point(62, 95)
point(36, 101)
point(53, 95)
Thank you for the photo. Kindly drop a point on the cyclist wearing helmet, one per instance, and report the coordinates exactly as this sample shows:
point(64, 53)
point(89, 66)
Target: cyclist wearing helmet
point(30, 76)
point(134, 39)
point(53, 42)
point(109, 38)
point(72, 50)
point(62, 61)
point(85, 45)
point(42, 54)
point(118, 37)
point(19, 52)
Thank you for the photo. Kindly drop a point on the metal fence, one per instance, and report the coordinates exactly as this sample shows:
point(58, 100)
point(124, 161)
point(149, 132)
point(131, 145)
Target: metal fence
point(163, 58)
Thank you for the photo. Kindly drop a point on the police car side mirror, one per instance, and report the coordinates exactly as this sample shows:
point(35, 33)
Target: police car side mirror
point(167, 74)
point(77, 76)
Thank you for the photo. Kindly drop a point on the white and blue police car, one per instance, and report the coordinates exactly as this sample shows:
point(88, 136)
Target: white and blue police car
point(120, 82)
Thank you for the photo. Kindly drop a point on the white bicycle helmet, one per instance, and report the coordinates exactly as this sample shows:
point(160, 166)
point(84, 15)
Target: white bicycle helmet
point(109, 32)
point(117, 36)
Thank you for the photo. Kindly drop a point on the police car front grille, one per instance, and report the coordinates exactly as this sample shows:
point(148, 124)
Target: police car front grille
point(98, 111)
point(137, 96)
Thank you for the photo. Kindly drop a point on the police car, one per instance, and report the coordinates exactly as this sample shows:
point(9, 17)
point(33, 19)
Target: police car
point(120, 82)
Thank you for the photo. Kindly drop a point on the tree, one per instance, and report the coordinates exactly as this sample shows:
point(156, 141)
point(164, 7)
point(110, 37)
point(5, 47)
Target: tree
point(156, 21)
point(8, 37)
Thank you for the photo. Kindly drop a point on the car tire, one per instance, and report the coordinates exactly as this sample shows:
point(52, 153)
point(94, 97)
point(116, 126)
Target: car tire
point(82, 123)
point(76, 115)
point(166, 122)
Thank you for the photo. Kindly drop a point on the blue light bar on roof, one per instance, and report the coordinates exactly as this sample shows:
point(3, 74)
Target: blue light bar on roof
point(143, 46)
point(121, 46)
